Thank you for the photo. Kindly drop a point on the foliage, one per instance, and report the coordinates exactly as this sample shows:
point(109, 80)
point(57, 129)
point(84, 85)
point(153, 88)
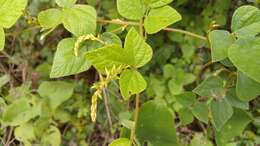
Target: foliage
point(121, 72)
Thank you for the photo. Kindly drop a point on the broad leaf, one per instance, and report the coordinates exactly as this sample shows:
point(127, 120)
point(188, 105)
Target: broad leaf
point(131, 82)
point(156, 124)
point(200, 140)
point(25, 132)
point(131, 9)
point(121, 142)
point(220, 41)
point(175, 87)
point(65, 3)
point(212, 86)
point(186, 99)
point(235, 101)
point(137, 49)
point(2, 39)
point(160, 18)
point(80, 19)
point(201, 111)
point(157, 3)
point(221, 111)
point(234, 127)
point(185, 116)
point(245, 54)
point(50, 18)
point(56, 92)
point(52, 137)
point(246, 88)
point(10, 11)
point(65, 62)
point(246, 21)
point(19, 112)
point(107, 57)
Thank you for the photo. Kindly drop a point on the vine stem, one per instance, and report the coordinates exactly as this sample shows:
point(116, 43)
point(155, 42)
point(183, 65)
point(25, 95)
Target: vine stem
point(136, 115)
point(121, 22)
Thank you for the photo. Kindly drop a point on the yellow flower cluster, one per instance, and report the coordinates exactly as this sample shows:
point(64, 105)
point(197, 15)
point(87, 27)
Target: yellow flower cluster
point(101, 85)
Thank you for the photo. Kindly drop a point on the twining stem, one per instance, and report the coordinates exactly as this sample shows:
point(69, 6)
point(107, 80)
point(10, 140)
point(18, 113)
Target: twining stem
point(137, 97)
point(121, 22)
point(136, 115)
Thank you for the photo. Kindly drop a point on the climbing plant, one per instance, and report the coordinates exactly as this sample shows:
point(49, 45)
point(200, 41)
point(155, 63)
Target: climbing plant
point(119, 52)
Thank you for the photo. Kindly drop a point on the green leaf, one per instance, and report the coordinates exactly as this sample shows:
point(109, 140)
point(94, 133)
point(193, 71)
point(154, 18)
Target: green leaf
point(50, 18)
point(185, 116)
point(160, 18)
point(200, 140)
point(156, 124)
point(19, 112)
point(52, 137)
point(246, 21)
point(235, 101)
point(175, 87)
point(220, 41)
point(25, 132)
point(121, 142)
point(246, 88)
point(10, 11)
point(65, 3)
point(221, 111)
point(133, 9)
point(56, 92)
point(137, 49)
point(2, 39)
point(245, 54)
point(107, 57)
point(212, 86)
point(131, 82)
point(80, 19)
point(157, 3)
point(186, 99)
point(234, 127)
point(201, 111)
point(65, 63)
point(3, 80)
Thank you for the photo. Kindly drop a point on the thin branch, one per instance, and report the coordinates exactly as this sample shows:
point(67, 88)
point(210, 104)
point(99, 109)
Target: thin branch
point(136, 115)
point(121, 22)
point(107, 110)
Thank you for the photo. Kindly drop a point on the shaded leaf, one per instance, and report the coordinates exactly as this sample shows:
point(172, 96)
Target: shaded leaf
point(235, 101)
point(221, 112)
point(246, 21)
point(201, 111)
point(220, 41)
point(131, 82)
point(19, 112)
point(246, 88)
point(156, 124)
point(234, 127)
point(245, 54)
point(185, 116)
point(56, 92)
point(212, 86)
point(186, 99)
point(160, 18)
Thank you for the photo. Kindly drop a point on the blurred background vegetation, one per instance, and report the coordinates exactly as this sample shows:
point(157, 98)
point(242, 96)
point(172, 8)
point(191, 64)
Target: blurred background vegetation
point(179, 64)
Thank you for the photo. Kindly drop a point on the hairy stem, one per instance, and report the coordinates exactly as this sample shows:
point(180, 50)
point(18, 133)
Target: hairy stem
point(121, 22)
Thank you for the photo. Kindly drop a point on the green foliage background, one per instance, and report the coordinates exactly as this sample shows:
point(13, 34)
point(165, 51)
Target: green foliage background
point(185, 79)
